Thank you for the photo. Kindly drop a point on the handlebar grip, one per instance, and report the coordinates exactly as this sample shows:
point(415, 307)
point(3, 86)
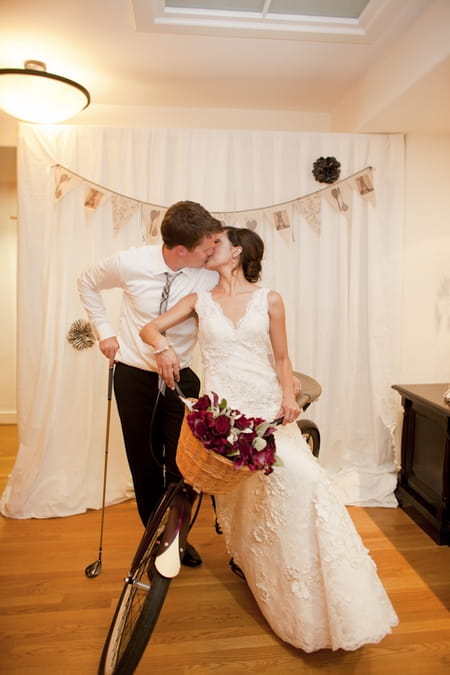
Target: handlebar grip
point(279, 420)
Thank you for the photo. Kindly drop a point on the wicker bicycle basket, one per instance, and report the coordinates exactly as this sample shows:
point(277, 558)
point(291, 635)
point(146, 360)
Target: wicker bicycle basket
point(204, 469)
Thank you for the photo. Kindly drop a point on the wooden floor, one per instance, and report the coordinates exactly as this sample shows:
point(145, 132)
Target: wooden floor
point(53, 619)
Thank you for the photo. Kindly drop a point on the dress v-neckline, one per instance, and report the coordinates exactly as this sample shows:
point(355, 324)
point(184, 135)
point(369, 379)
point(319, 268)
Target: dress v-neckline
point(236, 324)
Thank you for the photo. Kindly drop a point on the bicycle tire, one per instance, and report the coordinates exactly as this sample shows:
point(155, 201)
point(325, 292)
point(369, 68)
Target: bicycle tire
point(311, 434)
point(138, 608)
point(313, 439)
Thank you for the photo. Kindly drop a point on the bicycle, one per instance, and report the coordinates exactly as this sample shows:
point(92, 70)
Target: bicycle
point(158, 560)
point(310, 392)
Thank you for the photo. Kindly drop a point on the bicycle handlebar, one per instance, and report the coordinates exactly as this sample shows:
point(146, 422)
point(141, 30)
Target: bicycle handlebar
point(189, 405)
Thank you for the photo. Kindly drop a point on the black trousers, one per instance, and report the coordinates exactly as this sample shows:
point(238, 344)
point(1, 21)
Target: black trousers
point(151, 459)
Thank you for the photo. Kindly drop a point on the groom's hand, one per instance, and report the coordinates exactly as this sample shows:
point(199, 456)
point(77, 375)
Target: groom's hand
point(109, 348)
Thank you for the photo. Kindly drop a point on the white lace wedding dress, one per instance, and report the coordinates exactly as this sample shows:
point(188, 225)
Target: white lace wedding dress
point(303, 560)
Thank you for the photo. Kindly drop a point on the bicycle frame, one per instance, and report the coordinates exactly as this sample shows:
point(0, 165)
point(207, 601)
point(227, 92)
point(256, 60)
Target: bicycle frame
point(172, 547)
point(179, 498)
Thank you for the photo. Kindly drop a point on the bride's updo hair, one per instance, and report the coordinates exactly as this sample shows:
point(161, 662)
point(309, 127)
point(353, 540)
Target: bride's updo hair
point(252, 251)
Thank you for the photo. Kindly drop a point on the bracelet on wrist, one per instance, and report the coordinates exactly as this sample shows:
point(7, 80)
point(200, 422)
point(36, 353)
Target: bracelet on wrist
point(163, 349)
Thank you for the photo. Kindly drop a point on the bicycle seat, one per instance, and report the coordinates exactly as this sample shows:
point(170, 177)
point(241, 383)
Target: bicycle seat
point(310, 392)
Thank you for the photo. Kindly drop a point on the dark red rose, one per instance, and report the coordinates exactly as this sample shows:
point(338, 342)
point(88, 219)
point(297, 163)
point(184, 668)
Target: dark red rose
point(241, 422)
point(202, 403)
point(222, 425)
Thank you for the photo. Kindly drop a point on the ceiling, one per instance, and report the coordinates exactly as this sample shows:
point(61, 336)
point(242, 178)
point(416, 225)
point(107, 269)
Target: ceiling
point(242, 54)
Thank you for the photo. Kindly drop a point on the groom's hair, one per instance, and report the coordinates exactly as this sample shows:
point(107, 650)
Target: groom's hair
point(186, 224)
point(252, 251)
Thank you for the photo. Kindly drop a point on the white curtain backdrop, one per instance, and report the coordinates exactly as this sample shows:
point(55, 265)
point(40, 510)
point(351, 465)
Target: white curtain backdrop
point(342, 288)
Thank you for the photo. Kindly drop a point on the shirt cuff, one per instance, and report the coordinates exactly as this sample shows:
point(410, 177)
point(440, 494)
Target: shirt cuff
point(104, 330)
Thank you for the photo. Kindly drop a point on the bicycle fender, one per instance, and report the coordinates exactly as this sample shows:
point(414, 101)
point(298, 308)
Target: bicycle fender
point(168, 563)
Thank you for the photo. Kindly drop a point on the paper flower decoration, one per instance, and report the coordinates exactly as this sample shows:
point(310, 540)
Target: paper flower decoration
point(326, 169)
point(80, 335)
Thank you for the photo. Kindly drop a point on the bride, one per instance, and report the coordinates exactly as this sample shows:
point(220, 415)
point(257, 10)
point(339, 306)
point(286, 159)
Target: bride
point(303, 560)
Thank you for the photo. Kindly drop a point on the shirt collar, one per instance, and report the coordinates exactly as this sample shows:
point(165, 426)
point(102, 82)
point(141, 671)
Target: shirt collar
point(160, 266)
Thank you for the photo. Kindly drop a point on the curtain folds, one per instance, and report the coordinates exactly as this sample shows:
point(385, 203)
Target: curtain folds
point(341, 286)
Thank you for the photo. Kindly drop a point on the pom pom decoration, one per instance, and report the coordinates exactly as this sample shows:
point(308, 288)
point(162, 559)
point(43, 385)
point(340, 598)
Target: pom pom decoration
point(326, 169)
point(80, 335)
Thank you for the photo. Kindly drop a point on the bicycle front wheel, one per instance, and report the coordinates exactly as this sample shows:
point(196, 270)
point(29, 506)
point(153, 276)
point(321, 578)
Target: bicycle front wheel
point(138, 608)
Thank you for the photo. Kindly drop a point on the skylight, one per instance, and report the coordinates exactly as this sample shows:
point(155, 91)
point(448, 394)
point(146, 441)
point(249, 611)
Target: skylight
point(349, 9)
point(352, 20)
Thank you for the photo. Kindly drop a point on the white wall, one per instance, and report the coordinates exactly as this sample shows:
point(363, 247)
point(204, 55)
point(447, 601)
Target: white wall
point(8, 267)
point(406, 88)
point(426, 279)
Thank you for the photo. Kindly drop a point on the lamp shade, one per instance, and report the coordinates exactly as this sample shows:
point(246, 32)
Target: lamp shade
point(33, 95)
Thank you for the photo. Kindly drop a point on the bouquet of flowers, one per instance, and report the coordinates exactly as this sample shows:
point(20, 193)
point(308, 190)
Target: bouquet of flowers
point(245, 441)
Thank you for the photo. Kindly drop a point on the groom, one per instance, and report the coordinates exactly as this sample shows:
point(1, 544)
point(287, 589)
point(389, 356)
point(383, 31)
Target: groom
point(152, 278)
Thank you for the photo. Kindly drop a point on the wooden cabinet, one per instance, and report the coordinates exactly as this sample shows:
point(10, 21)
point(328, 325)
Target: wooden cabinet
point(423, 487)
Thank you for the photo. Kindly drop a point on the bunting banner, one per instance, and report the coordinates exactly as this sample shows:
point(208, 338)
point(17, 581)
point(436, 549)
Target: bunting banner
point(64, 182)
point(310, 210)
point(151, 217)
point(92, 200)
point(122, 209)
point(280, 216)
point(339, 197)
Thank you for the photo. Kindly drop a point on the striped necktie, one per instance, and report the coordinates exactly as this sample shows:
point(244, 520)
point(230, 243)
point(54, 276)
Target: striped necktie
point(170, 278)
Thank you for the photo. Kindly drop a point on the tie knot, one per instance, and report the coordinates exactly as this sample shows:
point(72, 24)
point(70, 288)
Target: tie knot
point(170, 278)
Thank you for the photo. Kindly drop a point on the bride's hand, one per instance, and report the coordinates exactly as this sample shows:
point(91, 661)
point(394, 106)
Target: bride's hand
point(289, 410)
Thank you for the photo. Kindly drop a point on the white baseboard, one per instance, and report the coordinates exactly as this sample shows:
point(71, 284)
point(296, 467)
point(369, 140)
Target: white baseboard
point(8, 417)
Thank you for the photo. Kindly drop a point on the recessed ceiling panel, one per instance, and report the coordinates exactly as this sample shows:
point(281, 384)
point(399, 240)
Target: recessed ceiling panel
point(319, 20)
point(349, 9)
